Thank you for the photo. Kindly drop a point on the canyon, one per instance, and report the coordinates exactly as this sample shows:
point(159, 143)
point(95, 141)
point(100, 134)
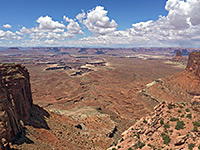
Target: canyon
point(175, 122)
point(52, 109)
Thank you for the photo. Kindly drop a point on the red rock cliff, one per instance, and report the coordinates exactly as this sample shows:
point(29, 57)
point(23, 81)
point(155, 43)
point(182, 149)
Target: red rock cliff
point(15, 101)
point(194, 63)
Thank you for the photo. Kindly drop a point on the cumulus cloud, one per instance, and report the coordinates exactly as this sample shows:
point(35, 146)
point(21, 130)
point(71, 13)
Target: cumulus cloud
point(180, 27)
point(194, 12)
point(7, 26)
point(49, 30)
point(8, 35)
point(98, 22)
point(73, 27)
point(81, 16)
point(47, 23)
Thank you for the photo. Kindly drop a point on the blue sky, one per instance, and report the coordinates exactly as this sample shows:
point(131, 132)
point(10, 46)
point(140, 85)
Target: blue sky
point(125, 12)
point(124, 23)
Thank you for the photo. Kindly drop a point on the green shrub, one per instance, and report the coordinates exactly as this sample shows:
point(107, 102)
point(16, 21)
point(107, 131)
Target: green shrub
point(174, 119)
point(119, 146)
point(113, 148)
point(189, 116)
point(182, 116)
point(187, 110)
point(195, 129)
point(137, 135)
point(166, 138)
point(199, 147)
point(169, 106)
point(149, 145)
point(179, 111)
point(162, 121)
point(166, 126)
point(129, 148)
point(196, 123)
point(144, 121)
point(181, 106)
point(139, 145)
point(179, 125)
point(191, 146)
point(163, 102)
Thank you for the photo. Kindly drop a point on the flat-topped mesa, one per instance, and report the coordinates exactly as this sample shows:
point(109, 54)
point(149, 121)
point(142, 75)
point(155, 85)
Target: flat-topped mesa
point(15, 101)
point(194, 63)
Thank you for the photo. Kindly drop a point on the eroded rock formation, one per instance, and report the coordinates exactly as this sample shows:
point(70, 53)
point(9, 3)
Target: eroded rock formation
point(15, 101)
point(194, 63)
point(178, 53)
point(178, 56)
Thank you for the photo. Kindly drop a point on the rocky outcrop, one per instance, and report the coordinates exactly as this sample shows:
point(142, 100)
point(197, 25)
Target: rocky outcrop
point(170, 126)
point(178, 56)
point(15, 101)
point(178, 53)
point(194, 63)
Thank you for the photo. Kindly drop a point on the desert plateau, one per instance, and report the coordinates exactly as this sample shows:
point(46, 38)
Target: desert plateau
point(52, 100)
point(100, 75)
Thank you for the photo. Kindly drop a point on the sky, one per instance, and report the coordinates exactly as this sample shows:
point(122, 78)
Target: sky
point(100, 23)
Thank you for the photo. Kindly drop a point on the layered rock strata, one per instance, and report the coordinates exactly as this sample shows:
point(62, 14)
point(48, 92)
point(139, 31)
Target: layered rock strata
point(15, 101)
point(194, 63)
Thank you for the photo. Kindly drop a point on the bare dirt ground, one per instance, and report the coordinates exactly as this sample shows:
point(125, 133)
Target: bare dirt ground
point(91, 111)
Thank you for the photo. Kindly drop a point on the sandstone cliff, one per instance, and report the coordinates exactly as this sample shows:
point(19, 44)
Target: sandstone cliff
point(194, 63)
point(15, 101)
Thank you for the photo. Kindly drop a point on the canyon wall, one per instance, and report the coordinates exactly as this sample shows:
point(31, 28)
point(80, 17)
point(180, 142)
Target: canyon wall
point(15, 101)
point(194, 63)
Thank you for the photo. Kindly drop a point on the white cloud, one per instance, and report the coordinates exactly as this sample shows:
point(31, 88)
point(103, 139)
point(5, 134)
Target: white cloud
point(49, 41)
point(73, 27)
point(2, 33)
point(98, 22)
point(47, 23)
point(8, 35)
point(194, 12)
point(7, 26)
point(81, 16)
point(180, 27)
point(58, 30)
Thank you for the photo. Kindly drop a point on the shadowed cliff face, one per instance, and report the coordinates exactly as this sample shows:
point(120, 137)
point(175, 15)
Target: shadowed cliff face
point(15, 101)
point(194, 63)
